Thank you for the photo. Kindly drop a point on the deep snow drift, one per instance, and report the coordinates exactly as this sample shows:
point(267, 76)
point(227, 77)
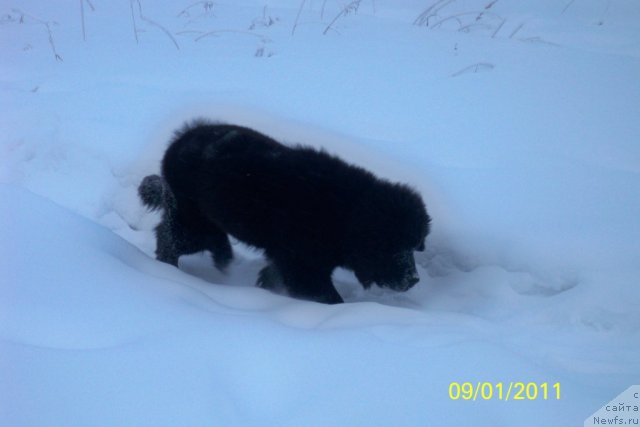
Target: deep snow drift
point(517, 122)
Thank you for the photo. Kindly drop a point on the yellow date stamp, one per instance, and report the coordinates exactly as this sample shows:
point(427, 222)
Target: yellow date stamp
point(513, 390)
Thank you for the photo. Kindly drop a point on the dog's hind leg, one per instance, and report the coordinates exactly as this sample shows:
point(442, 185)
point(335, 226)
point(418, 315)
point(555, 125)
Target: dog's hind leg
point(174, 239)
point(269, 277)
point(220, 247)
point(166, 248)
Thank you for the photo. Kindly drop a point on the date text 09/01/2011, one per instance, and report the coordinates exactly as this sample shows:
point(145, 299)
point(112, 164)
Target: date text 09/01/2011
point(503, 391)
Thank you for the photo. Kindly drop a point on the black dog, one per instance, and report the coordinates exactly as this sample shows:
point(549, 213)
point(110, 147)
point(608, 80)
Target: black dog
point(311, 212)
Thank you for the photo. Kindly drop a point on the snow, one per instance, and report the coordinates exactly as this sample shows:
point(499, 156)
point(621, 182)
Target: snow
point(521, 133)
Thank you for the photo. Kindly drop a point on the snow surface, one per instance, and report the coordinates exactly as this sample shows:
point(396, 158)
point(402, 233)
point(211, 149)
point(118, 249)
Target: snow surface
point(520, 129)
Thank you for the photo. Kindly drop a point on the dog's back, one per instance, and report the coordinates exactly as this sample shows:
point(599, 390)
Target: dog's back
point(198, 143)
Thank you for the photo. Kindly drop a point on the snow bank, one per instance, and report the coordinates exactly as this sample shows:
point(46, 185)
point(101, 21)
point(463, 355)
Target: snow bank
point(94, 332)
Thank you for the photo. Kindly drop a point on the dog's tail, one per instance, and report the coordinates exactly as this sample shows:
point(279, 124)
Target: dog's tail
point(152, 191)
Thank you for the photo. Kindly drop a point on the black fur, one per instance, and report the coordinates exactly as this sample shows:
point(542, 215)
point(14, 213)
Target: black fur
point(311, 212)
point(175, 236)
point(152, 191)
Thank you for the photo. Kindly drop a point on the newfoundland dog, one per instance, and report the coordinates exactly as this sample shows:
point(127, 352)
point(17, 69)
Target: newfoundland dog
point(308, 210)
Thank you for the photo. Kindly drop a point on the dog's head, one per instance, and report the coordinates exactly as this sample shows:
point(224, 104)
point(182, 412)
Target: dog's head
point(389, 224)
